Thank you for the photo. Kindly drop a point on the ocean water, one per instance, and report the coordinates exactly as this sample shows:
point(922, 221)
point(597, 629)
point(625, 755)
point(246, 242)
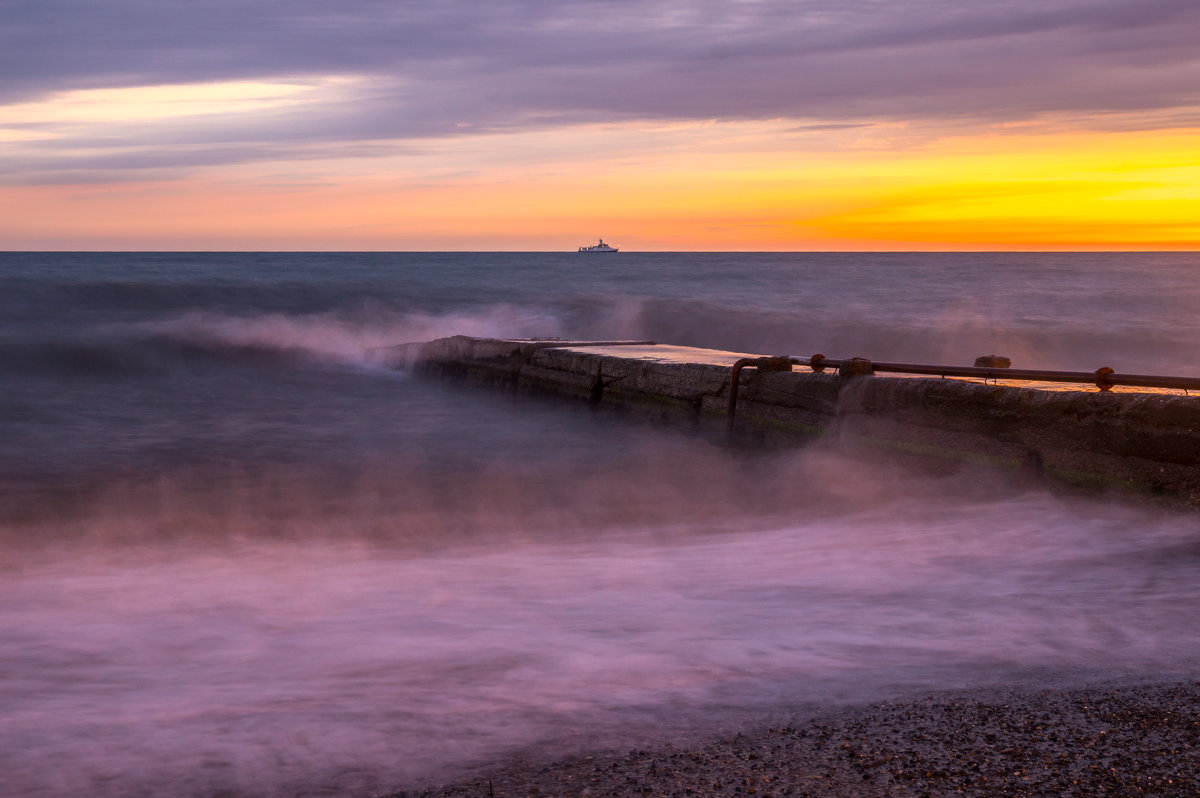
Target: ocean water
point(242, 556)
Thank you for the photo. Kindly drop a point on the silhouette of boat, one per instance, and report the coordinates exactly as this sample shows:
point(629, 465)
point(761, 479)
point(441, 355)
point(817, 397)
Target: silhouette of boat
point(601, 247)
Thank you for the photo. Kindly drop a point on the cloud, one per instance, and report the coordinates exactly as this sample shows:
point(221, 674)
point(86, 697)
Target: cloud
point(431, 68)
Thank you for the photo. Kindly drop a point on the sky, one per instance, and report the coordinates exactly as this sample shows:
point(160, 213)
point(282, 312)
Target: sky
point(546, 124)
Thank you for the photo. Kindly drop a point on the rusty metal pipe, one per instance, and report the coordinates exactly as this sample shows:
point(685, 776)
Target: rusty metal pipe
point(733, 390)
point(1102, 378)
point(1033, 375)
point(763, 363)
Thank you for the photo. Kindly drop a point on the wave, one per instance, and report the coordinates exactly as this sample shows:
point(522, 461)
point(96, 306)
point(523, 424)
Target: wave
point(336, 338)
point(331, 338)
point(317, 647)
point(357, 334)
point(560, 475)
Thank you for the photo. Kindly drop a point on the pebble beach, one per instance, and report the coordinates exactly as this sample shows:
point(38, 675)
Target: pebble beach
point(1129, 740)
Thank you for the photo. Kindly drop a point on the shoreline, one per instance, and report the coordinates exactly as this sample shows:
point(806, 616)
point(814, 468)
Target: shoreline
point(1135, 739)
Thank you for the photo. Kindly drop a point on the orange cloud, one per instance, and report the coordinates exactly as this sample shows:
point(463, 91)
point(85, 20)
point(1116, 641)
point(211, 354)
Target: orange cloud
point(711, 186)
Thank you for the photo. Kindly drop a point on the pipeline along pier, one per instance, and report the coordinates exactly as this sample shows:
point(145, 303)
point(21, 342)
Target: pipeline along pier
point(1098, 430)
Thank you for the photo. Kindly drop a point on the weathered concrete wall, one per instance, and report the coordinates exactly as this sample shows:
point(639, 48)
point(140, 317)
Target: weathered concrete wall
point(1145, 443)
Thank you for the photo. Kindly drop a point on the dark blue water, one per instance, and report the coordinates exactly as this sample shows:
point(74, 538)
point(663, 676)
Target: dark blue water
point(117, 359)
point(240, 553)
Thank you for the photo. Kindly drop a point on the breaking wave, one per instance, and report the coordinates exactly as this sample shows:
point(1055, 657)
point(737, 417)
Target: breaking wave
point(196, 337)
point(300, 633)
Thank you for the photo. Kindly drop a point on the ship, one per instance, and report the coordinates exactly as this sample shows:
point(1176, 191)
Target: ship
point(601, 247)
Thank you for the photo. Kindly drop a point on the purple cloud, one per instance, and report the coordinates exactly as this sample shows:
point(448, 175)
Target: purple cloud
point(444, 67)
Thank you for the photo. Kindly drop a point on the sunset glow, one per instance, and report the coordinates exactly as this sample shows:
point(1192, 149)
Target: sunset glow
point(430, 153)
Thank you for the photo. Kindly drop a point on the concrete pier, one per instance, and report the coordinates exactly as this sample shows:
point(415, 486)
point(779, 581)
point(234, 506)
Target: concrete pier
point(1141, 442)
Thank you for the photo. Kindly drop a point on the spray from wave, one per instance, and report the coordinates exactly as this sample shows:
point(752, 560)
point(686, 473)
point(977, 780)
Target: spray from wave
point(359, 337)
point(349, 339)
point(300, 634)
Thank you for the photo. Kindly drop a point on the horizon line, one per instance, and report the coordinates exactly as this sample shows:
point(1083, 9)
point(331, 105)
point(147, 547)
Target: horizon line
point(1056, 251)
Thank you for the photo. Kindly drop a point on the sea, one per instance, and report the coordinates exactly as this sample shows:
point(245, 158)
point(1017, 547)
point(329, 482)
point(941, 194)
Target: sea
point(243, 554)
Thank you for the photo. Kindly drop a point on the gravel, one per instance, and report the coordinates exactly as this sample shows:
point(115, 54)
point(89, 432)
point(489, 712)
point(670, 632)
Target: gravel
point(1141, 740)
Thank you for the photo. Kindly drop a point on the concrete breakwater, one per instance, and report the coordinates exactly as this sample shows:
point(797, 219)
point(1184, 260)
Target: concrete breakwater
point(1140, 442)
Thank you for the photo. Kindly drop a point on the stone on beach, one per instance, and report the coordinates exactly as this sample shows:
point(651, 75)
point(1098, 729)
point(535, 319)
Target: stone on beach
point(1126, 741)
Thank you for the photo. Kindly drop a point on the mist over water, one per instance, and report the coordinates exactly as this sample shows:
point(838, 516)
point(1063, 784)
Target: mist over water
point(354, 637)
point(239, 554)
point(328, 641)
